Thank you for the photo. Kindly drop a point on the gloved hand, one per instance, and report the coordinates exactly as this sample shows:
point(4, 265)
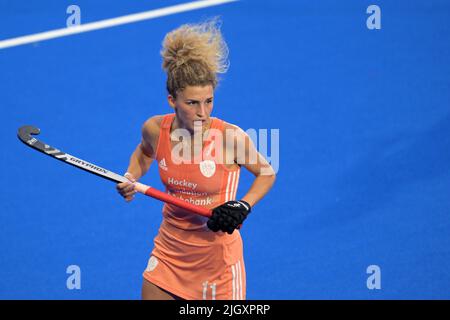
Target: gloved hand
point(228, 216)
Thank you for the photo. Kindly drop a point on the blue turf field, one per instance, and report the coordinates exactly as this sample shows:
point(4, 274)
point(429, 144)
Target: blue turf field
point(364, 120)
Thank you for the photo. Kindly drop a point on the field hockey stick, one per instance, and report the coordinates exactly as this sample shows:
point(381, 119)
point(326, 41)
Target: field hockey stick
point(25, 133)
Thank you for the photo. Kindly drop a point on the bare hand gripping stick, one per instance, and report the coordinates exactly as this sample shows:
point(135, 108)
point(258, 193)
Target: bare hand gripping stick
point(25, 133)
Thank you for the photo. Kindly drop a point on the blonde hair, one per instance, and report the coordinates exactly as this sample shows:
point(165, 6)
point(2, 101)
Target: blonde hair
point(193, 55)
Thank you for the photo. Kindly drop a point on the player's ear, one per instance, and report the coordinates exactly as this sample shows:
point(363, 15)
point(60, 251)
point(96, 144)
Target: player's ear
point(171, 99)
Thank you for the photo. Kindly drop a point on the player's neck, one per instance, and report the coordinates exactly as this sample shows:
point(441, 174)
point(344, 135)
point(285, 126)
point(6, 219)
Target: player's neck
point(177, 124)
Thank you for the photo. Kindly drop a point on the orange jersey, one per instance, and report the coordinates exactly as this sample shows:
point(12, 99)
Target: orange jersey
point(189, 260)
point(203, 182)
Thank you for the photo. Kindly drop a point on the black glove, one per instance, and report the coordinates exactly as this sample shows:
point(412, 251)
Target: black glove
point(228, 216)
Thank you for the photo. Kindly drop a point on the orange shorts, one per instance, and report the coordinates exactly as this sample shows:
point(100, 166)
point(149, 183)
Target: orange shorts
point(198, 265)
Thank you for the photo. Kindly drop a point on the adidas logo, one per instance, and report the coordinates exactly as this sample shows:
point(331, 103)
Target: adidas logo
point(162, 164)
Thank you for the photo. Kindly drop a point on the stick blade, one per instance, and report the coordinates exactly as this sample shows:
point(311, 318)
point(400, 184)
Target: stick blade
point(24, 133)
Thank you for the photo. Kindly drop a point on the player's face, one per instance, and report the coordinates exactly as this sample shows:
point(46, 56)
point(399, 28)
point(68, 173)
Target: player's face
point(194, 103)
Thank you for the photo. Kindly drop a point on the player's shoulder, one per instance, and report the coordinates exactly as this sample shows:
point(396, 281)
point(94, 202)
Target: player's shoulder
point(154, 121)
point(234, 130)
point(152, 124)
point(231, 126)
point(151, 128)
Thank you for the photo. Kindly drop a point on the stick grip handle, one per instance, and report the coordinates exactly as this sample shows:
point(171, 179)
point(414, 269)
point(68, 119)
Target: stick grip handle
point(155, 193)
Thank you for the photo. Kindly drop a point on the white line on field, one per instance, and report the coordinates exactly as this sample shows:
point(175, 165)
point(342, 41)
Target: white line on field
point(110, 22)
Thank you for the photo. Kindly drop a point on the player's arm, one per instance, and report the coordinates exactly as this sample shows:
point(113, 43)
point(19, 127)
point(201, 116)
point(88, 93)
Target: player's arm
point(230, 215)
point(141, 158)
point(248, 157)
point(143, 155)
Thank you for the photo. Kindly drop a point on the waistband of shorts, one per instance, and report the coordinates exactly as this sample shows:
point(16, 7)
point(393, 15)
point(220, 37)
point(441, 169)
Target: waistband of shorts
point(198, 236)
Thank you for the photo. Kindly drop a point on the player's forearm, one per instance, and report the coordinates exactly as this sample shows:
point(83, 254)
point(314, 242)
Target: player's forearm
point(261, 185)
point(139, 163)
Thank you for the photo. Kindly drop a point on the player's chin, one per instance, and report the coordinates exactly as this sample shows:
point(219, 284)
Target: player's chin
point(197, 125)
point(203, 123)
